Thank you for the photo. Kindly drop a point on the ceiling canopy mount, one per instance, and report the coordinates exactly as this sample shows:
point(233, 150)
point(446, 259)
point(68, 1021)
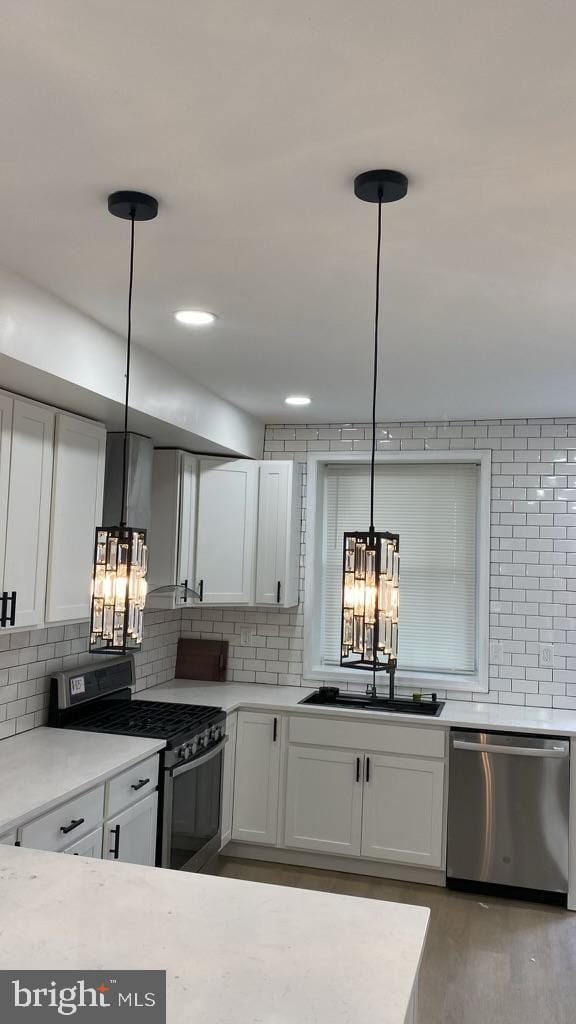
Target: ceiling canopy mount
point(132, 205)
point(380, 186)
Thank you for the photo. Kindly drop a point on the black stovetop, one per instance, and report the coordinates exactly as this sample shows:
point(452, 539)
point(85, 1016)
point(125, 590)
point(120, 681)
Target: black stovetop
point(174, 723)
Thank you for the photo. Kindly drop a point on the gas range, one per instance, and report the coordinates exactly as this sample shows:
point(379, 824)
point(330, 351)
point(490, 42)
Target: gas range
point(99, 699)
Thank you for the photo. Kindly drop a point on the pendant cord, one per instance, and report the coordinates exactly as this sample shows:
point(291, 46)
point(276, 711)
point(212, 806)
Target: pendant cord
point(374, 392)
point(375, 375)
point(128, 347)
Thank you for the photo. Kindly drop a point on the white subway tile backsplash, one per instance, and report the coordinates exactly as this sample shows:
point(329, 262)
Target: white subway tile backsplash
point(36, 654)
point(533, 561)
point(533, 577)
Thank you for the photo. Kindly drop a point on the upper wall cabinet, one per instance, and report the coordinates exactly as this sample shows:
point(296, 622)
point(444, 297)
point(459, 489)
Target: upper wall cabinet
point(26, 463)
point(278, 537)
point(172, 533)
point(230, 527)
point(77, 488)
point(51, 478)
point(226, 534)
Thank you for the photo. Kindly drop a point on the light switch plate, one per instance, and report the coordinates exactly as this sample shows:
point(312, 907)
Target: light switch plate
point(546, 656)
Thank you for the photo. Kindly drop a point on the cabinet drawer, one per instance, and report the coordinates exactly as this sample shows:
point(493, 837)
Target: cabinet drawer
point(132, 785)
point(46, 833)
point(385, 736)
point(89, 846)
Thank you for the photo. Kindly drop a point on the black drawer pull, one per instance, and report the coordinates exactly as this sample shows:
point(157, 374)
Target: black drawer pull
point(116, 848)
point(73, 824)
point(201, 590)
point(275, 733)
point(278, 591)
point(367, 769)
point(357, 769)
point(139, 784)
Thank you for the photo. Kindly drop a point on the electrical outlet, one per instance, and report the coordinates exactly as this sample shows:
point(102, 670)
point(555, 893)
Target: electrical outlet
point(546, 656)
point(496, 653)
point(248, 638)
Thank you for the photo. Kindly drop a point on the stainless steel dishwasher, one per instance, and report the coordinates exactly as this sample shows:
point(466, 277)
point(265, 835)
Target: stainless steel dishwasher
point(508, 811)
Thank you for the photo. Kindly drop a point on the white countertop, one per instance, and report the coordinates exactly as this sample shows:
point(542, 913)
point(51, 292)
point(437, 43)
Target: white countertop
point(43, 767)
point(236, 952)
point(231, 696)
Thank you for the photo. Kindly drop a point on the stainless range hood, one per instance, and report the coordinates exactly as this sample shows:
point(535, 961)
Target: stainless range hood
point(140, 451)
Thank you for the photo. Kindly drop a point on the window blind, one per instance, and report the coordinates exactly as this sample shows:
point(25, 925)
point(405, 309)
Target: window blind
point(434, 510)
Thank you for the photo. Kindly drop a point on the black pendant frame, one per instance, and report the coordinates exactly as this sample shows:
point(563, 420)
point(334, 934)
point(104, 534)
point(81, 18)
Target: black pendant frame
point(375, 655)
point(116, 624)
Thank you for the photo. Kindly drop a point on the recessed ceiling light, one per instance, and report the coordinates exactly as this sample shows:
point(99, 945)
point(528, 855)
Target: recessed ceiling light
point(194, 317)
point(297, 400)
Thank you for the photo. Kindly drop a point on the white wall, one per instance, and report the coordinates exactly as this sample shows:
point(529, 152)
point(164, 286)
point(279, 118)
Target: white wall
point(55, 354)
point(532, 565)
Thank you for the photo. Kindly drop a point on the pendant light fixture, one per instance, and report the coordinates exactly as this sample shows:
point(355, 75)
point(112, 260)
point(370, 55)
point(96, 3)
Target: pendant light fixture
point(371, 565)
point(120, 552)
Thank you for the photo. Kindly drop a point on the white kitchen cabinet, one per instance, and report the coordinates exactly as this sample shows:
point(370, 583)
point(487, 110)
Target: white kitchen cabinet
point(228, 779)
point(172, 534)
point(89, 846)
point(77, 490)
point(63, 825)
point(131, 835)
point(26, 525)
point(402, 815)
point(278, 534)
point(226, 533)
point(6, 411)
point(256, 781)
point(323, 800)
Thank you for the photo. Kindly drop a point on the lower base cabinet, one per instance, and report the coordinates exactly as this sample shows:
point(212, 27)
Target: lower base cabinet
point(131, 835)
point(228, 779)
point(257, 778)
point(89, 846)
point(402, 816)
point(323, 800)
point(379, 806)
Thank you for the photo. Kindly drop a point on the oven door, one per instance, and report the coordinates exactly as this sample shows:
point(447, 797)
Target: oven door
point(191, 811)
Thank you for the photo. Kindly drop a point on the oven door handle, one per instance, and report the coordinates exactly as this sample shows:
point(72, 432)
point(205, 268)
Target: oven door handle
point(189, 765)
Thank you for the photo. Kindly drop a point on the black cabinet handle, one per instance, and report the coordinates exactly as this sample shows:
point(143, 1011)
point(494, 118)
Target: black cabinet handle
point(357, 769)
point(73, 824)
point(367, 769)
point(278, 590)
point(140, 784)
point(8, 617)
point(201, 590)
point(116, 848)
point(275, 733)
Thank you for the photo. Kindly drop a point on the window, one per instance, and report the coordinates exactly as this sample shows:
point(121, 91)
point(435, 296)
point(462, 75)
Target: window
point(435, 506)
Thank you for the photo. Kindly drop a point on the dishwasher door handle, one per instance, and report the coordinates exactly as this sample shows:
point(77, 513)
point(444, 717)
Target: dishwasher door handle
point(493, 748)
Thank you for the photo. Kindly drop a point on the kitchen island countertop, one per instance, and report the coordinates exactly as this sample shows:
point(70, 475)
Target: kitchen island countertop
point(235, 952)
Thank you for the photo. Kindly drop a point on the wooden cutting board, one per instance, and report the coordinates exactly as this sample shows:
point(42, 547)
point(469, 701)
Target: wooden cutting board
point(202, 659)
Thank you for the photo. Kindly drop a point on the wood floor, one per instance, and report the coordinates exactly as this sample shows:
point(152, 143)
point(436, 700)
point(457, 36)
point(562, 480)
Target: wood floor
point(487, 960)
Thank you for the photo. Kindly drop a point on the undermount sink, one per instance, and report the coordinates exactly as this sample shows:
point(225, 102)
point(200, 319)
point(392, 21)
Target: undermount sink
point(330, 697)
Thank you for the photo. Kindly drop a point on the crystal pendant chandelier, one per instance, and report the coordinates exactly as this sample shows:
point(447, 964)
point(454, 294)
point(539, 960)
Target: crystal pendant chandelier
point(120, 553)
point(371, 565)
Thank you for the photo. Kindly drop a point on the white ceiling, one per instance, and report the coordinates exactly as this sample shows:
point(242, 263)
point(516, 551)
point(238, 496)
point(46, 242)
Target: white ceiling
point(249, 121)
